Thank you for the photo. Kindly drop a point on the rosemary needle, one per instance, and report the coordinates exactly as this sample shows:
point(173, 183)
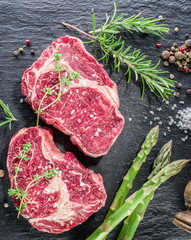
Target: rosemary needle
point(113, 47)
point(9, 116)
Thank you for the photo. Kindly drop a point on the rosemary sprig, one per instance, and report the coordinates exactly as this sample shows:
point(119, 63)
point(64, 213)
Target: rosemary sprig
point(136, 64)
point(19, 193)
point(132, 24)
point(62, 81)
point(9, 116)
point(113, 48)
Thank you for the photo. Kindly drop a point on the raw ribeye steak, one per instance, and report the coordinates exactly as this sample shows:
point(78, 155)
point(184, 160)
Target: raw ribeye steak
point(58, 203)
point(87, 109)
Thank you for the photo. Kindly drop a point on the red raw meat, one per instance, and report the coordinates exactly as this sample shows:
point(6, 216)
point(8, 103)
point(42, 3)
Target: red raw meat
point(63, 201)
point(88, 108)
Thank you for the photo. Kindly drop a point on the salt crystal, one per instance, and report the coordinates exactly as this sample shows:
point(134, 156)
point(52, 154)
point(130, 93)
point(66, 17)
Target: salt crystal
point(151, 112)
point(164, 133)
point(184, 117)
point(21, 100)
point(130, 119)
point(151, 122)
point(181, 102)
point(159, 109)
point(160, 123)
point(145, 117)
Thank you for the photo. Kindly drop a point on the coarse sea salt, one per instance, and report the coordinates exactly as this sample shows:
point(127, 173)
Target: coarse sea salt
point(184, 117)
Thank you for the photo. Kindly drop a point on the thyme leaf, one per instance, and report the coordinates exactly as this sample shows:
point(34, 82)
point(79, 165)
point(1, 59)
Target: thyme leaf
point(49, 174)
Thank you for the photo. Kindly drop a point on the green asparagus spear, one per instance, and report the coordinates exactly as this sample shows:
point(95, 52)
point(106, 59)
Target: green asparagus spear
point(150, 140)
point(131, 224)
point(162, 159)
point(132, 202)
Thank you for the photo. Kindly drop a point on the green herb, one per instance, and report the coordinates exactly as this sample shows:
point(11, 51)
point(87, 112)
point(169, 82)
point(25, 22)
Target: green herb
point(27, 147)
point(9, 116)
point(131, 224)
point(132, 24)
point(113, 47)
point(67, 81)
point(62, 81)
point(36, 177)
point(51, 173)
point(57, 56)
point(48, 91)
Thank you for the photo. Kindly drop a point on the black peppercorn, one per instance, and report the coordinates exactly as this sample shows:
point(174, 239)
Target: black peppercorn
point(177, 94)
point(186, 35)
point(188, 91)
point(32, 52)
point(179, 85)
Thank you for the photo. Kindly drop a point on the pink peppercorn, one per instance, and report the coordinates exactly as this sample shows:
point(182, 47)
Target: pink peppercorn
point(27, 42)
point(158, 45)
point(182, 49)
point(186, 69)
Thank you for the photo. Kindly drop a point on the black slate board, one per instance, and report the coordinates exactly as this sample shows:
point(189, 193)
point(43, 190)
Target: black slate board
point(39, 21)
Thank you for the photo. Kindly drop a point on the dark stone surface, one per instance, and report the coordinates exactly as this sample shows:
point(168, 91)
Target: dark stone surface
point(39, 21)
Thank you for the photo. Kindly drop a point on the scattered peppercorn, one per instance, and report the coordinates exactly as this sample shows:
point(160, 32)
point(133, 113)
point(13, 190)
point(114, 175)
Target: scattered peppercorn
point(6, 205)
point(179, 55)
point(21, 50)
point(188, 43)
point(186, 35)
point(158, 45)
point(165, 54)
point(176, 29)
point(166, 63)
point(171, 59)
point(15, 53)
point(179, 85)
point(171, 76)
point(188, 91)
point(32, 52)
point(177, 94)
point(1, 173)
point(27, 42)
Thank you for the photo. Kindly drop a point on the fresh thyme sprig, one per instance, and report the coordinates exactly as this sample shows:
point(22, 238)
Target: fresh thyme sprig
point(113, 47)
point(132, 24)
point(62, 81)
point(19, 193)
point(9, 116)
